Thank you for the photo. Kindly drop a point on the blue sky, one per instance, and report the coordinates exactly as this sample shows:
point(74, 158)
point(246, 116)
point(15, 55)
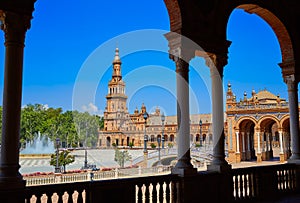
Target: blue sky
point(64, 38)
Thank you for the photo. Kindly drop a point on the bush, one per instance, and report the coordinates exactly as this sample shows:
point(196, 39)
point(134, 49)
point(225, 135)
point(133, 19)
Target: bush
point(153, 146)
point(170, 145)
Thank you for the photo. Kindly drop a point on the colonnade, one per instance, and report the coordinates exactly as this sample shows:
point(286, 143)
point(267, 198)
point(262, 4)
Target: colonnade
point(260, 144)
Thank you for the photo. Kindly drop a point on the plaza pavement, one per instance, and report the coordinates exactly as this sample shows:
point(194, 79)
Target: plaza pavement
point(99, 157)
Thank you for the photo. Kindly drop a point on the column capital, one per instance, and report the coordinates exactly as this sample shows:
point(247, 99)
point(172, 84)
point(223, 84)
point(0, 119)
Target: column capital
point(180, 47)
point(291, 82)
point(14, 26)
point(288, 67)
point(216, 63)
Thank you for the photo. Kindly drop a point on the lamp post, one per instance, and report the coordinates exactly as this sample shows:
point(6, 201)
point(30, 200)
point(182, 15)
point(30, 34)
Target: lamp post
point(57, 168)
point(162, 134)
point(145, 136)
point(85, 165)
point(158, 142)
point(201, 138)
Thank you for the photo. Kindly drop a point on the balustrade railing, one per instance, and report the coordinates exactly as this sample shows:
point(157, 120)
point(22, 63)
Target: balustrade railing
point(143, 189)
point(94, 175)
point(263, 182)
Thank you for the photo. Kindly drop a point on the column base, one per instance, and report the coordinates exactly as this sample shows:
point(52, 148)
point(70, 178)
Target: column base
point(281, 157)
point(264, 156)
point(259, 157)
point(248, 155)
point(183, 172)
point(238, 157)
point(243, 156)
point(219, 168)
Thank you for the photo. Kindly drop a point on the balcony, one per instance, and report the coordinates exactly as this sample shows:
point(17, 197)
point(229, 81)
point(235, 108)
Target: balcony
point(255, 184)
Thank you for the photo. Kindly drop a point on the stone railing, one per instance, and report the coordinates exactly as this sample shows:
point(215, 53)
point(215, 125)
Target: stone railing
point(263, 183)
point(258, 106)
point(95, 175)
point(143, 189)
point(253, 184)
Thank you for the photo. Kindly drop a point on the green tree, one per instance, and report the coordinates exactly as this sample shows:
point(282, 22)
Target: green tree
point(32, 118)
point(64, 159)
point(87, 127)
point(121, 157)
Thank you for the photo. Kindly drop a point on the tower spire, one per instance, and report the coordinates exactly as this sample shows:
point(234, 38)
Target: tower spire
point(117, 57)
point(117, 75)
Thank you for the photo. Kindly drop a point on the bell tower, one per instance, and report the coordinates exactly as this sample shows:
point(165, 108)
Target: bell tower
point(116, 113)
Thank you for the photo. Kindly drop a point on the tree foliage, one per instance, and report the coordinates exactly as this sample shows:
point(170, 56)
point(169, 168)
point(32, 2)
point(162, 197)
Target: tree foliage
point(121, 157)
point(75, 129)
point(64, 159)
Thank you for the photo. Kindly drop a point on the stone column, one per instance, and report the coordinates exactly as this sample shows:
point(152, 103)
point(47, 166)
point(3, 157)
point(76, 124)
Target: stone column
point(14, 26)
point(216, 65)
point(292, 85)
point(238, 154)
point(281, 154)
point(258, 154)
point(243, 145)
point(183, 166)
point(270, 143)
point(248, 153)
point(237, 142)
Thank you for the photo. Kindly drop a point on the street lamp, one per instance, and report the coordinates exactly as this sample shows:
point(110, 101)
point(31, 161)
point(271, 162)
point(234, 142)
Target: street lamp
point(57, 168)
point(85, 165)
point(145, 136)
point(162, 134)
point(158, 141)
point(201, 138)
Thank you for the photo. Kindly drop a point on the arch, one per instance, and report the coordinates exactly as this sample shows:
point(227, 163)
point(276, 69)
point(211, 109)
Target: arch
point(264, 118)
point(165, 138)
point(278, 27)
point(284, 119)
point(152, 138)
point(204, 137)
point(174, 15)
point(242, 119)
point(108, 141)
point(197, 137)
point(171, 138)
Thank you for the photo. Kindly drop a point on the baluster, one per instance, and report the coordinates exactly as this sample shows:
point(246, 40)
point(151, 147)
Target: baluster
point(236, 184)
point(281, 180)
point(161, 192)
point(246, 189)
point(168, 192)
point(139, 193)
point(284, 180)
point(250, 181)
point(241, 187)
point(80, 196)
point(154, 193)
point(147, 194)
point(290, 179)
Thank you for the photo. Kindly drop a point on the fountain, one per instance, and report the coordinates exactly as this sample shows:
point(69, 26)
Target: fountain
point(40, 146)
